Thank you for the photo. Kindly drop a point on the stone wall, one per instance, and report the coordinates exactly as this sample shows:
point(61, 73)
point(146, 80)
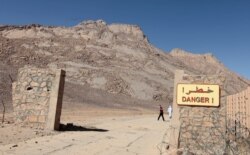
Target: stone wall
point(35, 94)
point(201, 129)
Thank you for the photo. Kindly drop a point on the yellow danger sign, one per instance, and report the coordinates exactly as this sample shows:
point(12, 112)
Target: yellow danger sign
point(198, 94)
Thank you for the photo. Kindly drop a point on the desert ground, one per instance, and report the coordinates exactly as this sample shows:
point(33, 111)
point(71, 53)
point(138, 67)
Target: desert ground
point(91, 130)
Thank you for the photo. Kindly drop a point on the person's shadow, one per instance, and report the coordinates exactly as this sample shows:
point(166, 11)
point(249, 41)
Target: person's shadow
point(71, 127)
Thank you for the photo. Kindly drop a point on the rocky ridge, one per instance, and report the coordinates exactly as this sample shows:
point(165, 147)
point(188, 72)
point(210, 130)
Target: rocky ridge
point(115, 58)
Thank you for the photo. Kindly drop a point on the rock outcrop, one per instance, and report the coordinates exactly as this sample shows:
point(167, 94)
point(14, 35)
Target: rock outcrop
point(116, 58)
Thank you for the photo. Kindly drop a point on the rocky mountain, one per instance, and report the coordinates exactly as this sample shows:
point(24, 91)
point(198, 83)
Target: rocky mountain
point(116, 59)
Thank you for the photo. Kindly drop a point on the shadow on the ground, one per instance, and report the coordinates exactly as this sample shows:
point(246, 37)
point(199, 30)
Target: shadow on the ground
point(71, 127)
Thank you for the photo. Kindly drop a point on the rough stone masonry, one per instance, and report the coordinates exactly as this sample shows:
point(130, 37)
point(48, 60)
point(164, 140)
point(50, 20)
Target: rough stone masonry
point(37, 97)
point(200, 130)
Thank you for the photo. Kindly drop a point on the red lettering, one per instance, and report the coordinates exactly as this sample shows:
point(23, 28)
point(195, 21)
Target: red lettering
point(202, 99)
point(184, 99)
point(198, 99)
point(195, 99)
point(206, 100)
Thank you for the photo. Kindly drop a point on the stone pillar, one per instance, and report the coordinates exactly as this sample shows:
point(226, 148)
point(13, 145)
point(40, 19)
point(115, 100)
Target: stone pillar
point(37, 97)
point(174, 129)
point(178, 77)
point(197, 129)
point(55, 103)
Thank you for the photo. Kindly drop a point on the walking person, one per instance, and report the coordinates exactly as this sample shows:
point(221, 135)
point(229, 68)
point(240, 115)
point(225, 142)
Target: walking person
point(170, 110)
point(161, 114)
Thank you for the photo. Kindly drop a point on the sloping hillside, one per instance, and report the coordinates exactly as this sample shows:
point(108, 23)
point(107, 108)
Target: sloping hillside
point(115, 59)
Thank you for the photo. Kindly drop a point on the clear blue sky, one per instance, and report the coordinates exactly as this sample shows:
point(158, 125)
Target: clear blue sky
point(221, 27)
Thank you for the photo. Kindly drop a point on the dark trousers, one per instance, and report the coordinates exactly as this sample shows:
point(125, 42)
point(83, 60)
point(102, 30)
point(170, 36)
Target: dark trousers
point(161, 115)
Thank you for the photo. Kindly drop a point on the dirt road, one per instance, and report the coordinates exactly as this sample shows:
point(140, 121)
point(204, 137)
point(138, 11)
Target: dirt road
point(128, 135)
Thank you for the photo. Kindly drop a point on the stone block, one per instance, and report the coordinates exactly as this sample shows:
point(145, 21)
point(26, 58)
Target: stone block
point(186, 135)
point(43, 84)
point(183, 125)
point(196, 123)
point(40, 79)
point(207, 124)
point(42, 119)
point(34, 84)
point(33, 118)
point(28, 79)
point(29, 100)
point(43, 112)
point(17, 97)
point(24, 97)
point(44, 102)
point(24, 84)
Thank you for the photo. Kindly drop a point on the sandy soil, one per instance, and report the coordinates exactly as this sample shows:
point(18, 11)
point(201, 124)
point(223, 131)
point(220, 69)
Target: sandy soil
point(95, 131)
